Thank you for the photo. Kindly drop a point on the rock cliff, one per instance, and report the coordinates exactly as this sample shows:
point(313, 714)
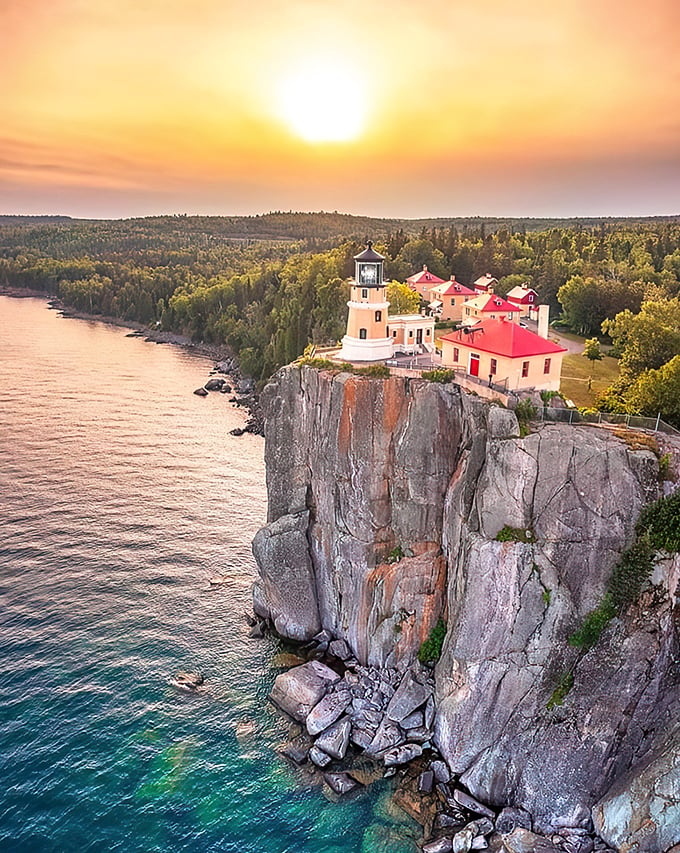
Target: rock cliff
point(385, 501)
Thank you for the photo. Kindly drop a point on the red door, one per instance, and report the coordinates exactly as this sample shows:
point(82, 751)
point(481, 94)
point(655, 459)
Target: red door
point(474, 364)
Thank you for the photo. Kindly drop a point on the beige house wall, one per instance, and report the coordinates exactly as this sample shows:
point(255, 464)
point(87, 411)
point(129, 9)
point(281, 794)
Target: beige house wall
point(452, 306)
point(404, 331)
point(473, 315)
point(507, 368)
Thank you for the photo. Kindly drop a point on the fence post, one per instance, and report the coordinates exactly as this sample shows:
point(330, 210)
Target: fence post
point(658, 419)
point(571, 415)
point(627, 420)
point(599, 417)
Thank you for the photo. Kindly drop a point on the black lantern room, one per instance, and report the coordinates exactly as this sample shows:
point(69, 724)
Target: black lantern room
point(368, 267)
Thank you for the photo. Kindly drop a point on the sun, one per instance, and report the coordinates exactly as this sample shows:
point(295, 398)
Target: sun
point(323, 100)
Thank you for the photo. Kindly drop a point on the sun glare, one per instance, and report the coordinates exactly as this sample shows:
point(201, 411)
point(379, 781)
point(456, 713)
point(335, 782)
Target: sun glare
point(323, 101)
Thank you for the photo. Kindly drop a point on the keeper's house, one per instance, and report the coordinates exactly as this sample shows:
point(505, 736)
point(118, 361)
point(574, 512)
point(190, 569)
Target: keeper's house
point(422, 282)
point(448, 298)
point(504, 353)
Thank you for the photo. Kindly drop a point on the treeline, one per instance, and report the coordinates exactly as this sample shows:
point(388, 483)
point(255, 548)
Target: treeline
point(268, 298)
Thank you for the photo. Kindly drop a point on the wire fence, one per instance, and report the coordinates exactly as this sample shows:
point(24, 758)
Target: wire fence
point(573, 416)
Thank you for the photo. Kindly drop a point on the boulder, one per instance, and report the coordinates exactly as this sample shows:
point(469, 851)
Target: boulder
point(410, 694)
point(335, 740)
point(441, 771)
point(287, 585)
point(471, 804)
point(462, 841)
point(523, 841)
point(440, 845)
point(510, 818)
point(201, 392)
point(327, 711)
point(214, 384)
point(339, 649)
point(426, 782)
point(298, 690)
point(297, 750)
point(402, 754)
point(388, 735)
point(340, 783)
point(318, 756)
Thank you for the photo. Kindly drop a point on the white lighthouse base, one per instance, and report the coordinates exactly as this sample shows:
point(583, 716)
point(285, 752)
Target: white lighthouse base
point(359, 349)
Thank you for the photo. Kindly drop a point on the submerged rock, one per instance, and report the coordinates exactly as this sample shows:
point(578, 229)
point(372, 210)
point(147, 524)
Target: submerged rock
point(201, 392)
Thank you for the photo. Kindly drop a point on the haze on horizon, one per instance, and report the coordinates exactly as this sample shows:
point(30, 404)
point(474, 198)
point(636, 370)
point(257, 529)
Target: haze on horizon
point(404, 109)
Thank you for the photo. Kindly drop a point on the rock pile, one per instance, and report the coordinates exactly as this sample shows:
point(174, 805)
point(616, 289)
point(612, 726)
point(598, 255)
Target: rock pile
point(351, 714)
point(385, 713)
point(245, 389)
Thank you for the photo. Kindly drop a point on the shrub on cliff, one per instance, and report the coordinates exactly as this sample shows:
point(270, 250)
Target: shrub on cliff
point(439, 375)
point(660, 521)
point(430, 651)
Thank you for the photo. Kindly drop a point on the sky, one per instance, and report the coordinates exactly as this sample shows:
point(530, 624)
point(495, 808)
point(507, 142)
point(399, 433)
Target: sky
point(404, 108)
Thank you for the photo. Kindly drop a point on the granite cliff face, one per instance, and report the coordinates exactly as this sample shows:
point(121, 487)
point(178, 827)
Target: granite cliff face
point(385, 500)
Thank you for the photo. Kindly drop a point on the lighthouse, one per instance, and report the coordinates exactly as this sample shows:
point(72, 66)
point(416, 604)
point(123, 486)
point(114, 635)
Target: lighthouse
point(367, 337)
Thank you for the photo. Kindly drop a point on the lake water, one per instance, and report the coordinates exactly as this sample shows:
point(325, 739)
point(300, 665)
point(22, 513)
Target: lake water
point(121, 493)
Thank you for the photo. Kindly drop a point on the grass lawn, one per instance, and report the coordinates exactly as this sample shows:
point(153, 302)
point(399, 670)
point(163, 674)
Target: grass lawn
point(575, 372)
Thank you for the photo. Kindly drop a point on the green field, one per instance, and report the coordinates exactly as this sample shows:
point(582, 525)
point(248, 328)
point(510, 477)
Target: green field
point(575, 372)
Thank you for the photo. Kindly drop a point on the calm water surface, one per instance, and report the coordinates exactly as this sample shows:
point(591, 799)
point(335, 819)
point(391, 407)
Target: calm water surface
point(121, 493)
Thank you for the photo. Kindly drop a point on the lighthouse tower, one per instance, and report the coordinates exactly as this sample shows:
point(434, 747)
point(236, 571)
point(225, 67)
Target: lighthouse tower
point(367, 337)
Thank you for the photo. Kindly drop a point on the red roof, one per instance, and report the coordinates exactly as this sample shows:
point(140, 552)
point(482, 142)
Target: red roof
point(489, 303)
point(502, 337)
point(424, 277)
point(454, 287)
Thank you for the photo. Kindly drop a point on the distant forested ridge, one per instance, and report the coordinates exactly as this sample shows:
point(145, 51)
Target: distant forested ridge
point(268, 285)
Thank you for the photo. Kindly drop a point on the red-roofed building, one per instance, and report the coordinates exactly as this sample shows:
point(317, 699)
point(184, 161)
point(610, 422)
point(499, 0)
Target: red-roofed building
point(489, 306)
point(525, 299)
point(447, 299)
point(506, 354)
point(423, 281)
point(486, 283)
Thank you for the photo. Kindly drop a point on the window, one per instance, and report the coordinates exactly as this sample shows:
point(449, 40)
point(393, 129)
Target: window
point(456, 354)
point(427, 333)
point(410, 333)
point(378, 316)
point(525, 369)
point(362, 334)
point(546, 366)
point(494, 366)
point(531, 297)
point(453, 300)
point(467, 312)
point(394, 333)
point(364, 293)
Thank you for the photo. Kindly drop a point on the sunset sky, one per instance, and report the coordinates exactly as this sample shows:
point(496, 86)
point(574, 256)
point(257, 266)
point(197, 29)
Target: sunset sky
point(399, 108)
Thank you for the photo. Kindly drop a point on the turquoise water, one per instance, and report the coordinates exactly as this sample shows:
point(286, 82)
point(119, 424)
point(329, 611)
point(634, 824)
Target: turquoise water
point(121, 493)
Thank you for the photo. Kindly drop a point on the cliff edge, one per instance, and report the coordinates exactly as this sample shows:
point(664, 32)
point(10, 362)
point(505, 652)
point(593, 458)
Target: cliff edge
point(386, 501)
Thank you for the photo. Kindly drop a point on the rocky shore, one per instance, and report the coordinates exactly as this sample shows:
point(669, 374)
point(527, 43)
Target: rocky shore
point(243, 387)
point(358, 724)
